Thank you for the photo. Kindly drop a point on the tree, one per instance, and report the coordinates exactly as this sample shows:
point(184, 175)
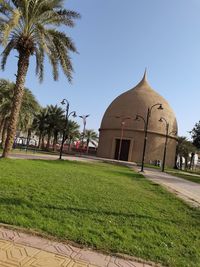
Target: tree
point(50, 122)
point(29, 107)
point(184, 149)
point(90, 136)
point(5, 104)
point(54, 121)
point(32, 27)
point(72, 132)
point(39, 125)
point(195, 133)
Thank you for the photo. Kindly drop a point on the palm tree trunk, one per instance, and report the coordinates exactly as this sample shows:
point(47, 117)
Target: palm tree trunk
point(28, 138)
point(176, 158)
point(69, 144)
point(186, 163)
point(1, 124)
point(1, 130)
point(191, 161)
point(55, 140)
point(39, 142)
point(23, 64)
point(42, 145)
point(48, 141)
point(181, 162)
point(4, 132)
point(88, 142)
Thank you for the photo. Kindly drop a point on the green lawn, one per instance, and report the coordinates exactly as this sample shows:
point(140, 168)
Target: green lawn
point(186, 175)
point(102, 206)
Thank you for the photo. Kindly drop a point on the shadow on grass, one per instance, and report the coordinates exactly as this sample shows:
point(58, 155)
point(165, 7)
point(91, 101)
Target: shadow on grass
point(86, 211)
point(127, 173)
point(128, 216)
point(16, 202)
point(109, 213)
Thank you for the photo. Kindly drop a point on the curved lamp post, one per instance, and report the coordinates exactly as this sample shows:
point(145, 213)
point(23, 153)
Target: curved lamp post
point(123, 122)
point(166, 140)
point(162, 119)
point(146, 125)
point(65, 102)
point(84, 118)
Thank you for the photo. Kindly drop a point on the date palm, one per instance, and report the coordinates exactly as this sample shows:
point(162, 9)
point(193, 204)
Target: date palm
point(184, 149)
point(55, 117)
point(91, 136)
point(73, 132)
point(32, 28)
point(5, 97)
point(40, 125)
point(29, 107)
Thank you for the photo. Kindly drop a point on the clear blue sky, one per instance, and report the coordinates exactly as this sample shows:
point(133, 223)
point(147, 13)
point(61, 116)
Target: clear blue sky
point(116, 40)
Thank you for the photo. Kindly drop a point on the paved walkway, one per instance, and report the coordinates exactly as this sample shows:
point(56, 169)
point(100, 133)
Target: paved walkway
point(83, 158)
point(23, 250)
point(43, 156)
point(189, 191)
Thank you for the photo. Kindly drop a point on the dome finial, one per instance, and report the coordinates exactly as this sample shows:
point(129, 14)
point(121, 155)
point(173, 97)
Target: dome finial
point(145, 75)
point(144, 79)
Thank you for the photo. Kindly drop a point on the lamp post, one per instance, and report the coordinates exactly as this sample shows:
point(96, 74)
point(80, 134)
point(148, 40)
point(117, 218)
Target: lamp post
point(146, 125)
point(123, 122)
point(73, 113)
point(84, 118)
point(166, 141)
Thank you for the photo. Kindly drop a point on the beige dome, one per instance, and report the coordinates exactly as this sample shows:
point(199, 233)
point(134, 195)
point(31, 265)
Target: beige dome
point(137, 101)
point(134, 102)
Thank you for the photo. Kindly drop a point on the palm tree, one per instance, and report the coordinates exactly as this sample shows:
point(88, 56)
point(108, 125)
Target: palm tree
point(39, 126)
point(184, 148)
point(55, 117)
point(91, 136)
point(195, 134)
point(29, 107)
point(5, 104)
point(73, 132)
point(32, 27)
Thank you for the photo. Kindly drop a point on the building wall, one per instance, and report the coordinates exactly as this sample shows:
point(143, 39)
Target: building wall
point(154, 148)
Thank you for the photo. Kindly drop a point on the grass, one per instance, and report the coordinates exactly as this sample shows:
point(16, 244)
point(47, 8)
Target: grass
point(190, 176)
point(103, 206)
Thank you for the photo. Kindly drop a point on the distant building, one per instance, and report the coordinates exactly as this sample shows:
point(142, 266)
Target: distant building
point(118, 126)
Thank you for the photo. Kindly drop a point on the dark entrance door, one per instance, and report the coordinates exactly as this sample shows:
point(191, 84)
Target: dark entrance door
point(125, 146)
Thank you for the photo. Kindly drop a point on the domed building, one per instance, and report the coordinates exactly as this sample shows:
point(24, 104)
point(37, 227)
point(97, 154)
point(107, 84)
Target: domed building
point(122, 136)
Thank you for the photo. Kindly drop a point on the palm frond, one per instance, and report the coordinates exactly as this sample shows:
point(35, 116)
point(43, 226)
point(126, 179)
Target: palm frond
point(34, 26)
point(6, 53)
point(12, 23)
point(39, 54)
point(5, 8)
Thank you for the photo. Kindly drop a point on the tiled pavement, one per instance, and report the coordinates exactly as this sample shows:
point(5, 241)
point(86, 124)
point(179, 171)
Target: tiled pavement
point(18, 249)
